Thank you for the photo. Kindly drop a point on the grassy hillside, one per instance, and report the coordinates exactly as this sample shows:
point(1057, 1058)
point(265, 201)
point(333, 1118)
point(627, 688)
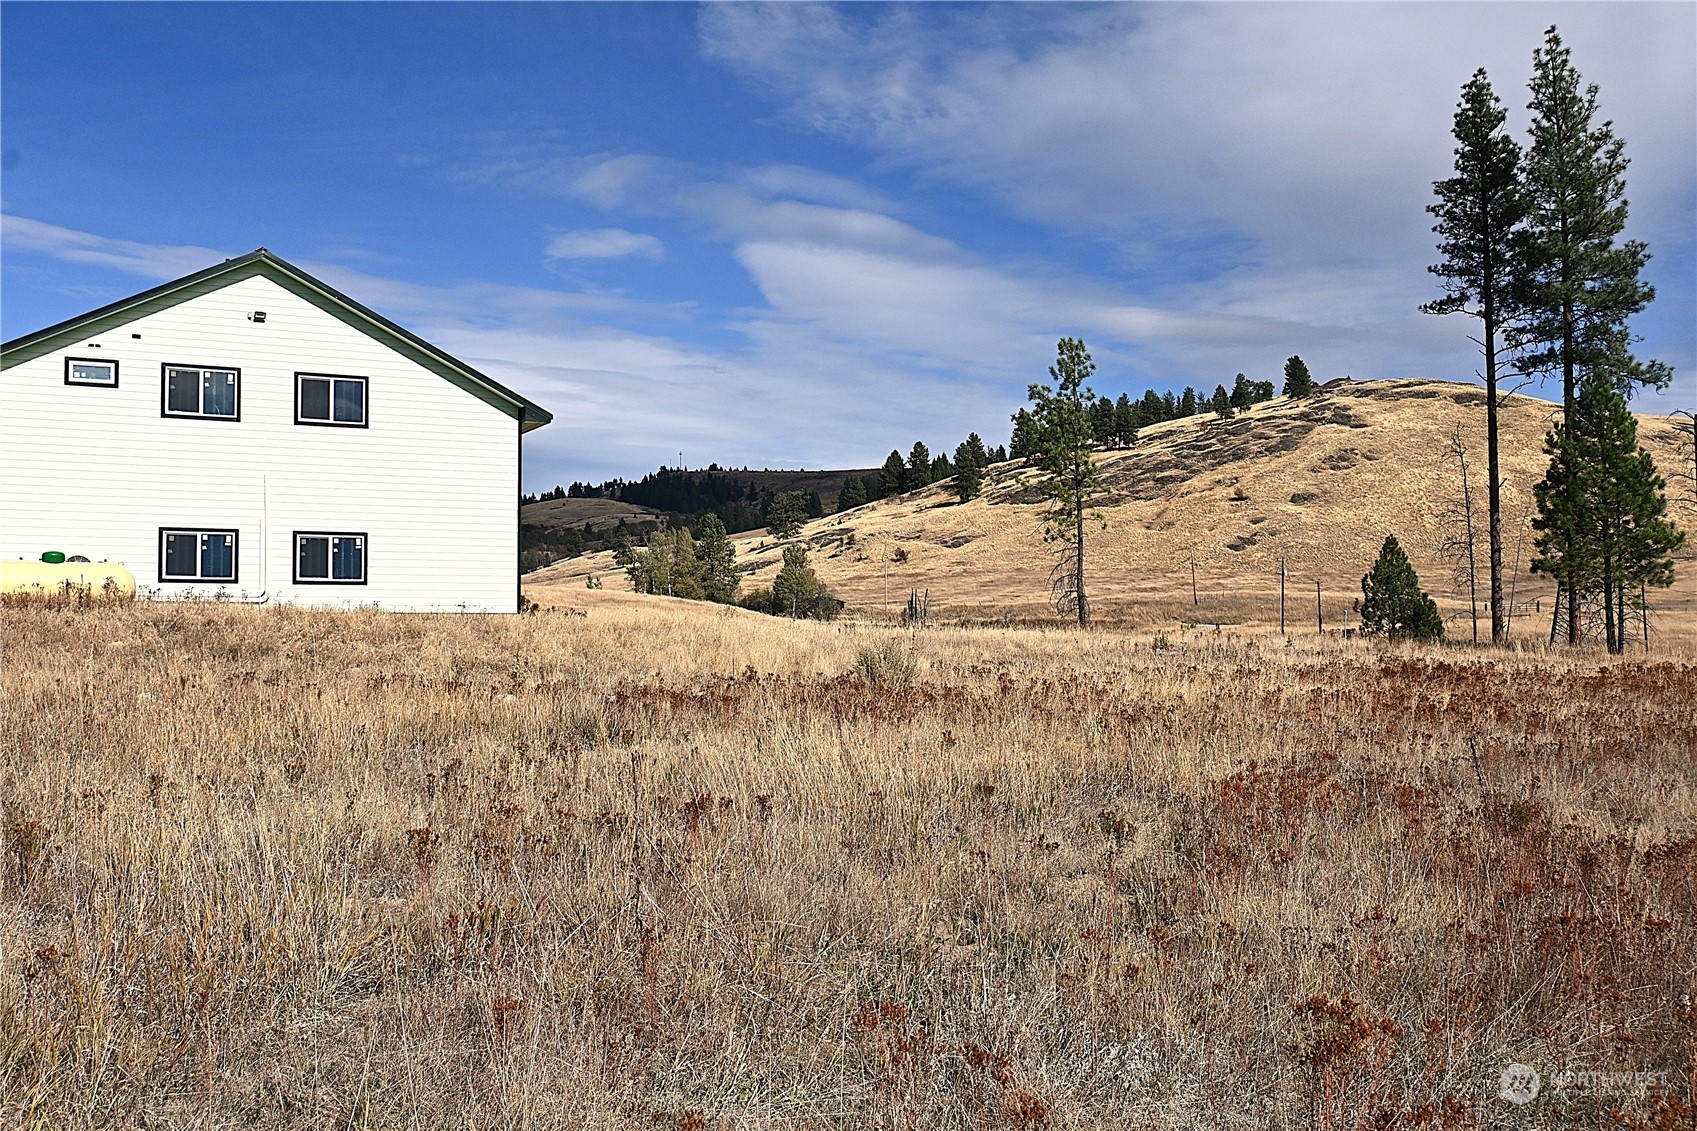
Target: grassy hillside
point(669, 865)
point(597, 514)
point(1317, 483)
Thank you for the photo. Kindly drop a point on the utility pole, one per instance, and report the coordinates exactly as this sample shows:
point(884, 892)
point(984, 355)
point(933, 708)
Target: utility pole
point(1319, 612)
point(1282, 572)
point(1193, 601)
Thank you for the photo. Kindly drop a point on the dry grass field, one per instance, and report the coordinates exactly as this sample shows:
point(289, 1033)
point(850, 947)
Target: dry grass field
point(1315, 483)
point(661, 865)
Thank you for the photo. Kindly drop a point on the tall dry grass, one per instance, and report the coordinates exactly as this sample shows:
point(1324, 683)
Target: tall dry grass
point(676, 867)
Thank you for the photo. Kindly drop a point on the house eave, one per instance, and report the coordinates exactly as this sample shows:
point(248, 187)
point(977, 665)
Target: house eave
point(262, 262)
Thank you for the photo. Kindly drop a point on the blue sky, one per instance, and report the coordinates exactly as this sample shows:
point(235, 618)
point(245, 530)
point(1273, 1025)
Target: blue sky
point(801, 235)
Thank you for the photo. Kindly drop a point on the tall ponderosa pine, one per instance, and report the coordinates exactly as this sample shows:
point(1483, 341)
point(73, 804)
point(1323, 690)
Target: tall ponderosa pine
point(970, 461)
point(1024, 439)
point(853, 493)
point(1481, 215)
point(1222, 403)
point(1583, 284)
point(719, 576)
point(1392, 603)
point(1063, 455)
point(1602, 525)
point(1298, 381)
point(918, 468)
point(892, 477)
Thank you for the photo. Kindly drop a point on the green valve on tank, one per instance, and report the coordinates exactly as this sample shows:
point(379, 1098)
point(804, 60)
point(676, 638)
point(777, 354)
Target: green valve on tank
point(53, 557)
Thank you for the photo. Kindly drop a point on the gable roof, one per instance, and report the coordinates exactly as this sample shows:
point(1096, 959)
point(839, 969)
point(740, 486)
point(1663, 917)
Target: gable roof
point(292, 279)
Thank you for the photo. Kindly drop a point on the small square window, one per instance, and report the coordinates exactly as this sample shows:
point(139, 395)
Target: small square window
point(197, 555)
point(86, 371)
point(196, 391)
point(329, 559)
point(328, 399)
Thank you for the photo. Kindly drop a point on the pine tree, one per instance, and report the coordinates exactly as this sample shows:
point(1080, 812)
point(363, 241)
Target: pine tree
point(890, 479)
point(941, 468)
point(687, 568)
point(1102, 421)
point(1243, 393)
point(918, 468)
point(718, 557)
point(1602, 527)
point(1000, 455)
point(1067, 468)
point(1024, 439)
point(1481, 213)
point(1583, 285)
point(853, 493)
point(970, 461)
point(1222, 403)
point(784, 518)
point(797, 590)
point(1187, 403)
point(1125, 422)
point(1150, 408)
point(1298, 381)
point(1392, 603)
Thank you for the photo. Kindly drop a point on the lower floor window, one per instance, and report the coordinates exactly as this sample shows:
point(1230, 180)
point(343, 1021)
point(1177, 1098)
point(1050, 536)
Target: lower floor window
point(197, 555)
point(333, 558)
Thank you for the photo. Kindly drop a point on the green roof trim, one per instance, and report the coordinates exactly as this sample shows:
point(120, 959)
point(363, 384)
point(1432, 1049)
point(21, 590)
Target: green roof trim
point(297, 282)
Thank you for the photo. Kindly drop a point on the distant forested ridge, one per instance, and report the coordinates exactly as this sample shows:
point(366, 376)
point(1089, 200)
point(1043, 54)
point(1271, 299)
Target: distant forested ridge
point(680, 498)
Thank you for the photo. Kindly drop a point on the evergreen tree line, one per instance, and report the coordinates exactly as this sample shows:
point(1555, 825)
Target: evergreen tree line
point(1115, 423)
point(541, 546)
point(920, 469)
point(1111, 424)
point(1531, 245)
point(676, 563)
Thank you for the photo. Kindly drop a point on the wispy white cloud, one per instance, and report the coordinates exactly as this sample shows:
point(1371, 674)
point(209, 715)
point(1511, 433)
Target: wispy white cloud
point(149, 261)
point(604, 243)
point(629, 398)
point(1257, 168)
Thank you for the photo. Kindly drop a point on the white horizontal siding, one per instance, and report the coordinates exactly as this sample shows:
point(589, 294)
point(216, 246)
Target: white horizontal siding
point(433, 481)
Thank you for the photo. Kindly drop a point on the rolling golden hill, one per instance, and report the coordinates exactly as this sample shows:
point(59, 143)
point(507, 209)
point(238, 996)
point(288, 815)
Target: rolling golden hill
point(1314, 484)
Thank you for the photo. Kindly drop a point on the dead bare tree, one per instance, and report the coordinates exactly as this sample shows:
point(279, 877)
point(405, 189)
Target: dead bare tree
point(1458, 544)
point(1685, 471)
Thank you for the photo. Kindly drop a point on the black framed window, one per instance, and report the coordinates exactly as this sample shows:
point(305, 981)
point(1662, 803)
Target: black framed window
point(327, 558)
point(91, 371)
point(327, 398)
point(190, 390)
point(187, 554)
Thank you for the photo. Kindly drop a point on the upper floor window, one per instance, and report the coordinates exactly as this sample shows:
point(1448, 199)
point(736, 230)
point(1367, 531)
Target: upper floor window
point(322, 398)
point(197, 555)
point(83, 371)
point(193, 391)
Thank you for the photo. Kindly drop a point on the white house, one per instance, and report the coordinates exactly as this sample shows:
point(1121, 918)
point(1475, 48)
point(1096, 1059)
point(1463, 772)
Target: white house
point(249, 432)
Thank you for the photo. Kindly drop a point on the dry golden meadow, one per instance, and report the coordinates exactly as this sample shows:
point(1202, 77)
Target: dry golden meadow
point(659, 865)
point(1316, 484)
